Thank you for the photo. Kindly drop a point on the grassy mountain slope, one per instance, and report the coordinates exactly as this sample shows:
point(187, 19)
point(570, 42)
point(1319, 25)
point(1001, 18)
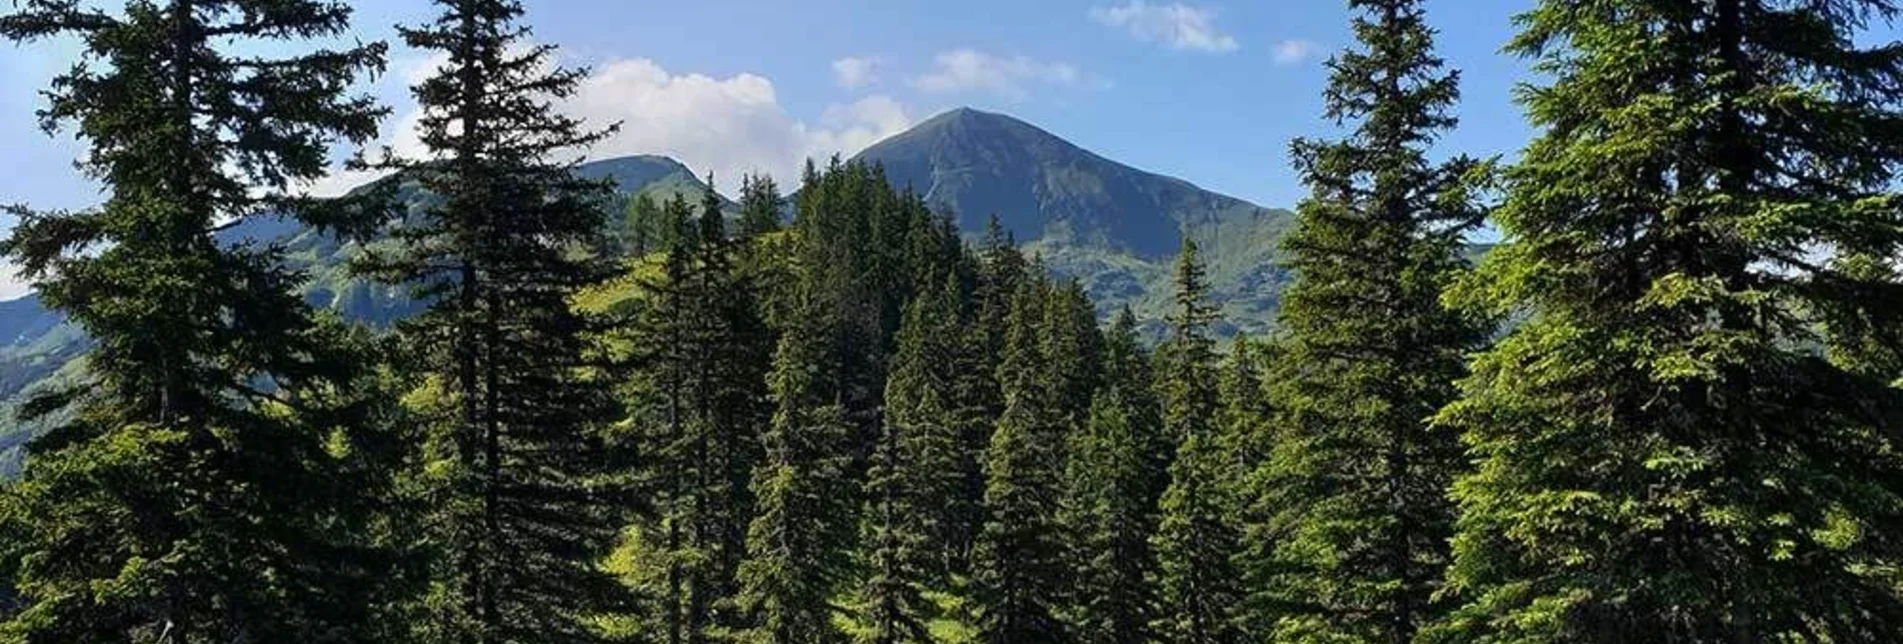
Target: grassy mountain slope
point(1114, 227)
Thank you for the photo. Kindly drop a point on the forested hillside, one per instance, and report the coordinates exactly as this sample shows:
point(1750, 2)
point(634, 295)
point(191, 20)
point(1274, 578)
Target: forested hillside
point(974, 384)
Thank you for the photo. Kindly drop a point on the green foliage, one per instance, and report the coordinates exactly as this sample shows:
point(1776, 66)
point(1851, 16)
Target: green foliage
point(1197, 537)
point(204, 478)
point(514, 460)
point(761, 206)
point(1019, 564)
point(798, 542)
point(696, 399)
point(1351, 520)
point(1116, 473)
point(1663, 454)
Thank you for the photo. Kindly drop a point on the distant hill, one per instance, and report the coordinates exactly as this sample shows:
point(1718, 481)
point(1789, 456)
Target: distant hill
point(1112, 226)
point(38, 345)
point(1115, 228)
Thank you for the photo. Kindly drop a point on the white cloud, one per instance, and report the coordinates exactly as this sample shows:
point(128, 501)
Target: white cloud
point(1177, 26)
point(963, 70)
point(1290, 52)
point(854, 127)
point(729, 126)
point(854, 72)
point(12, 287)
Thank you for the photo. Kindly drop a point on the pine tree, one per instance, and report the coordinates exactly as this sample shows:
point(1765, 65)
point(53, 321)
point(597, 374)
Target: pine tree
point(1197, 536)
point(1114, 477)
point(697, 405)
point(1018, 562)
point(802, 534)
point(644, 227)
point(911, 465)
point(1354, 504)
point(515, 455)
point(203, 489)
point(922, 396)
point(760, 206)
point(1664, 454)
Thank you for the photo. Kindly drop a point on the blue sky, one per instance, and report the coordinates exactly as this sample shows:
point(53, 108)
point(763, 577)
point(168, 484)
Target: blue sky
point(1207, 90)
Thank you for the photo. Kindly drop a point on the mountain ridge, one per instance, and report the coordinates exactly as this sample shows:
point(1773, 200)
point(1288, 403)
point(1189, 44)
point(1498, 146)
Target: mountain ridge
point(1114, 228)
point(1042, 186)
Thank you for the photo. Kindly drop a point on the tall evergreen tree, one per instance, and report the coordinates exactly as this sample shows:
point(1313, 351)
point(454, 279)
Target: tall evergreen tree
point(800, 534)
point(1115, 474)
point(515, 455)
point(1018, 562)
point(922, 400)
point(911, 489)
point(803, 530)
point(1197, 536)
point(644, 227)
point(199, 491)
point(697, 404)
point(1664, 454)
point(761, 206)
point(1355, 494)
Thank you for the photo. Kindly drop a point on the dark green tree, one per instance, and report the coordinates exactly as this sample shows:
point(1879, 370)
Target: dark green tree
point(1354, 499)
point(1117, 469)
point(697, 404)
point(801, 534)
point(515, 452)
point(206, 485)
point(914, 479)
point(761, 206)
point(1018, 563)
point(922, 402)
point(1664, 453)
point(1198, 536)
point(644, 226)
point(826, 373)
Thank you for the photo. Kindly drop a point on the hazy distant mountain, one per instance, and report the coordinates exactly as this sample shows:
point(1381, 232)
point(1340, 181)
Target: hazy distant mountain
point(37, 345)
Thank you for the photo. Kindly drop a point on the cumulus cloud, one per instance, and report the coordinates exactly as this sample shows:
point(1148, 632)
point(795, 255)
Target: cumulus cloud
point(1176, 26)
point(965, 70)
point(1290, 52)
point(729, 126)
point(853, 72)
point(856, 126)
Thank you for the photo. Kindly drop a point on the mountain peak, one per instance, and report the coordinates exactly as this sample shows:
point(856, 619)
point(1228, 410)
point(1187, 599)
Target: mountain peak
point(633, 173)
point(1042, 187)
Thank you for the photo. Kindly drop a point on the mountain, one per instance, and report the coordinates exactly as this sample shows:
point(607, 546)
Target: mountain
point(1114, 227)
point(38, 346)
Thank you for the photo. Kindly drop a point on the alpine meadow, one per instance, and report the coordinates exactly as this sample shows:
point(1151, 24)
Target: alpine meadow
point(429, 322)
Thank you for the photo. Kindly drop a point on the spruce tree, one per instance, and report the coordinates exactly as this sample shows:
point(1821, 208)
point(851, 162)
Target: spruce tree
point(515, 454)
point(922, 397)
point(1114, 476)
point(901, 483)
point(644, 227)
point(760, 206)
point(697, 404)
point(1019, 560)
point(203, 489)
point(804, 525)
point(1664, 454)
point(1197, 536)
point(1354, 502)
point(801, 530)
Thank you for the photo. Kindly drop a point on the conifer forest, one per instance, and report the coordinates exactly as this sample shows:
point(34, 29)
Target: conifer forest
point(1639, 382)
